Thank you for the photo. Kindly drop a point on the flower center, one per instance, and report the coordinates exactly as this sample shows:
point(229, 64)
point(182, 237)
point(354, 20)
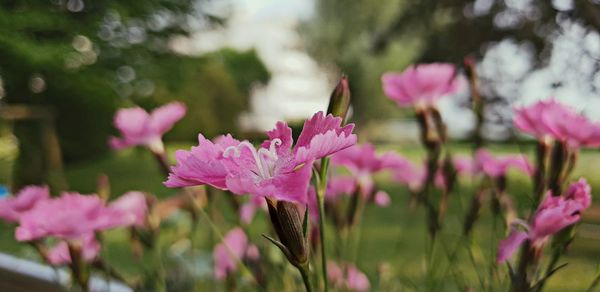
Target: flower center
point(264, 158)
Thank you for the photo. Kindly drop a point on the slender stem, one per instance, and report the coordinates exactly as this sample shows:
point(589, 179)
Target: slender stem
point(595, 283)
point(521, 282)
point(321, 188)
point(160, 281)
point(305, 277)
point(215, 230)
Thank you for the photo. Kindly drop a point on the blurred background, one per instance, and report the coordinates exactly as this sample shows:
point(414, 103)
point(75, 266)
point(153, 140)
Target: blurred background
point(66, 66)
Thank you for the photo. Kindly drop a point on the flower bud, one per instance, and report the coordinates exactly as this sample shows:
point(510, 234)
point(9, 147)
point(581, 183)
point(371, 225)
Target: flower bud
point(103, 187)
point(287, 222)
point(339, 102)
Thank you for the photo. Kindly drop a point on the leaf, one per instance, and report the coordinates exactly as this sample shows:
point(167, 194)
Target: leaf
point(511, 272)
point(280, 245)
point(305, 222)
point(540, 283)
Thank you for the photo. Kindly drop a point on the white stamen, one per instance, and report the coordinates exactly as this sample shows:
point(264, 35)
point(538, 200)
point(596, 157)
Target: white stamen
point(263, 158)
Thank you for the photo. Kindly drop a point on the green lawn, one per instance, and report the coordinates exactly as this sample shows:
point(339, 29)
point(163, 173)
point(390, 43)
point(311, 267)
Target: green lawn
point(390, 237)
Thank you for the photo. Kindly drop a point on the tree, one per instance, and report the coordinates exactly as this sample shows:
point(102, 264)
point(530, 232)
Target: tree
point(83, 59)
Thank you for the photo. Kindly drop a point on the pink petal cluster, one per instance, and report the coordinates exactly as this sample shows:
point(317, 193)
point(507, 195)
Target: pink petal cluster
point(404, 171)
point(347, 277)
point(248, 209)
point(422, 84)
point(338, 187)
point(490, 165)
point(551, 119)
point(363, 162)
point(60, 255)
point(234, 248)
point(72, 216)
point(276, 169)
point(553, 214)
point(133, 208)
point(407, 173)
point(139, 127)
point(11, 208)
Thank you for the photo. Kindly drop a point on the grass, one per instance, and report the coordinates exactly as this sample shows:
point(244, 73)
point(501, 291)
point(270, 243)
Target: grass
point(392, 241)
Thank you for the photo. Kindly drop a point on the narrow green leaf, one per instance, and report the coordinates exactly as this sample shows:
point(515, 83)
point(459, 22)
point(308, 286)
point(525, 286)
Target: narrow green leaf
point(305, 222)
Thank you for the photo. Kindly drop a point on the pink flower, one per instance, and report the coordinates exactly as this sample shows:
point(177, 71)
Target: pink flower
point(421, 84)
point(464, 165)
point(580, 192)
point(90, 249)
point(137, 127)
point(276, 169)
point(498, 166)
point(553, 214)
point(363, 162)
point(551, 119)
point(382, 199)
point(133, 208)
point(493, 166)
point(11, 208)
point(404, 171)
point(234, 248)
point(347, 277)
point(69, 217)
point(248, 209)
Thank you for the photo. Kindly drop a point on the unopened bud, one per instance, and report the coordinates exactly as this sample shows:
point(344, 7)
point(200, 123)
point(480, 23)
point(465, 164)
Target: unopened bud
point(339, 102)
point(103, 187)
point(287, 222)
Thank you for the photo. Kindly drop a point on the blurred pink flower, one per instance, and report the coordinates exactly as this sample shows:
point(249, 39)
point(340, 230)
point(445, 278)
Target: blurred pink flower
point(422, 85)
point(492, 166)
point(133, 208)
point(581, 192)
point(234, 248)
point(90, 249)
point(137, 127)
point(464, 165)
point(347, 277)
point(404, 171)
point(248, 209)
point(276, 169)
point(382, 199)
point(553, 214)
point(69, 216)
point(363, 162)
point(551, 119)
point(339, 186)
point(11, 208)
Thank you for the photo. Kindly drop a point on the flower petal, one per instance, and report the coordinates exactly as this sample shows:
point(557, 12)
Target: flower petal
point(509, 245)
point(163, 118)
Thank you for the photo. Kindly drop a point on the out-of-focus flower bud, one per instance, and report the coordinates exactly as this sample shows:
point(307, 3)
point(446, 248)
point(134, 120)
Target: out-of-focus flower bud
point(339, 102)
point(103, 187)
point(473, 213)
point(439, 123)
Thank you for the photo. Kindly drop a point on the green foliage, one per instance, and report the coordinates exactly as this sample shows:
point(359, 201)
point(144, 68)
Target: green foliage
point(339, 35)
point(82, 83)
point(214, 87)
point(37, 40)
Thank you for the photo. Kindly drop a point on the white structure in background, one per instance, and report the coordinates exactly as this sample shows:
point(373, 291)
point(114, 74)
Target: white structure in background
point(572, 74)
point(298, 86)
point(509, 77)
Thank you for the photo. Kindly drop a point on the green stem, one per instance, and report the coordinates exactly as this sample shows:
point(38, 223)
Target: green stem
point(305, 277)
point(595, 283)
point(321, 188)
point(215, 230)
point(160, 284)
